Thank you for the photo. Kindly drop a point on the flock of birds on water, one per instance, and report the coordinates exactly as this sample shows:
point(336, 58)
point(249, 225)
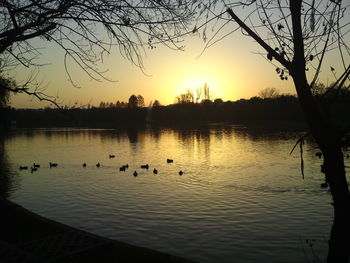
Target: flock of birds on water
point(144, 166)
point(98, 165)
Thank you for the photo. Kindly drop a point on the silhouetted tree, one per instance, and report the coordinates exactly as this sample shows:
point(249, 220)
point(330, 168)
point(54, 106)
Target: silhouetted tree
point(268, 93)
point(132, 101)
point(297, 36)
point(203, 93)
point(319, 89)
point(187, 97)
point(121, 104)
point(199, 92)
point(218, 101)
point(86, 31)
point(140, 101)
point(206, 92)
point(156, 103)
point(102, 105)
point(284, 108)
point(136, 101)
point(5, 85)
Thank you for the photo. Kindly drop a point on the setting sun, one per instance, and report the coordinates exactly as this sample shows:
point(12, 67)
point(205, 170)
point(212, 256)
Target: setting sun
point(183, 71)
point(195, 83)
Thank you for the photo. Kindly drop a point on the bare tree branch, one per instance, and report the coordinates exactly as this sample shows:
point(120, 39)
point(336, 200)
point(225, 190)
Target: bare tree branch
point(86, 30)
point(262, 43)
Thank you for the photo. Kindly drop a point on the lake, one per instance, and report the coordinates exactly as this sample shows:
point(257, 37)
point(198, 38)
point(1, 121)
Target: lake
point(241, 197)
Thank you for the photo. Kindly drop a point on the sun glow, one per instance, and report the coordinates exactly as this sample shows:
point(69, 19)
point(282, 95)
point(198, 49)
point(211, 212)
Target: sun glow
point(196, 79)
point(197, 85)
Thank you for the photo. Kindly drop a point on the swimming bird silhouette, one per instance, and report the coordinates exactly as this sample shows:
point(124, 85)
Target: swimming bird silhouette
point(169, 160)
point(53, 164)
point(145, 166)
point(123, 168)
point(111, 156)
point(135, 173)
point(181, 173)
point(84, 165)
point(23, 167)
point(98, 165)
point(155, 171)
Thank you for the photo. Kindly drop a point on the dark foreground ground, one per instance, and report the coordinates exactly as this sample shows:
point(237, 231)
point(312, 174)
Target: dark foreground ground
point(26, 237)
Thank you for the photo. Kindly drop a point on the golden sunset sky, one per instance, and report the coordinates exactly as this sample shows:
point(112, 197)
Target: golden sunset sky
point(232, 69)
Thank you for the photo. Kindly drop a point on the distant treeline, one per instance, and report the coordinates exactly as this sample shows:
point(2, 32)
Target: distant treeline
point(284, 107)
point(281, 108)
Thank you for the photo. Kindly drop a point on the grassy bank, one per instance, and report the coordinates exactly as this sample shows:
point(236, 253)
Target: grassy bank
point(28, 237)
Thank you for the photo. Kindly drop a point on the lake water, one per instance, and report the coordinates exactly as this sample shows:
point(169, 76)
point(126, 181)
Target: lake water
point(241, 197)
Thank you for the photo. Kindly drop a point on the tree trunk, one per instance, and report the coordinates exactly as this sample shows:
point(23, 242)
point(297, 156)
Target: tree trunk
point(327, 138)
point(322, 130)
point(333, 166)
point(339, 242)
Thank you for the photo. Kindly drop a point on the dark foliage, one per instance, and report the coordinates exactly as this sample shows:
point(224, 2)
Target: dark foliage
point(283, 108)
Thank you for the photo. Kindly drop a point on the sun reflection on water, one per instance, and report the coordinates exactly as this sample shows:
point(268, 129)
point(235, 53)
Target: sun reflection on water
point(241, 194)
